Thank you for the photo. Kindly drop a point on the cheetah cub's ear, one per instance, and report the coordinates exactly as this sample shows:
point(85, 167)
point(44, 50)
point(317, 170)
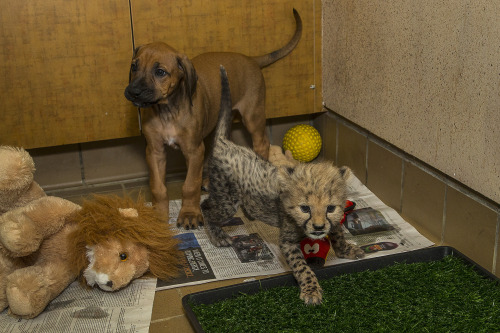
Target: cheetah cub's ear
point(345, 172)
point(284, 176)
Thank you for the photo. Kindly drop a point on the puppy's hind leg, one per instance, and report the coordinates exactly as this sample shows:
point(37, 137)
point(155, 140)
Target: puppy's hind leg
point(217, 210)
point(253, 115)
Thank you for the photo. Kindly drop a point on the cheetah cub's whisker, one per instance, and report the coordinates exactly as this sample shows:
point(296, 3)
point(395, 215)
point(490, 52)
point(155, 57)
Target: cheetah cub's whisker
point(305, 200)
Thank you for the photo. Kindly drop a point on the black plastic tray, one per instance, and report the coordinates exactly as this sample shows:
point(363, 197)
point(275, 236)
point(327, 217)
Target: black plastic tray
point(422, 255)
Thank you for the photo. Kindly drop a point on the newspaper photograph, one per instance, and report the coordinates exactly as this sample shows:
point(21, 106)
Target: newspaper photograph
point(378, 229)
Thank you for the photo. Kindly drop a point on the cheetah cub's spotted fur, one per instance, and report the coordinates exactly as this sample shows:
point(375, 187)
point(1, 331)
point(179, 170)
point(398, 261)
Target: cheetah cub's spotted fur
point(303, 200)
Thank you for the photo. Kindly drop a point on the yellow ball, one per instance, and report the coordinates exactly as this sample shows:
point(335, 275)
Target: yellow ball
point(303, 141)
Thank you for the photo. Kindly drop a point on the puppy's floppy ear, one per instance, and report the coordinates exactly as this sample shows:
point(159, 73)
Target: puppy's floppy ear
point(136, 50)
point(190, 77)
point(133, 56)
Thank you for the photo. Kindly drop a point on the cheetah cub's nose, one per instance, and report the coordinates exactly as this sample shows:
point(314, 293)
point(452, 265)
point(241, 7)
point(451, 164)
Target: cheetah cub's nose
point(318, 227)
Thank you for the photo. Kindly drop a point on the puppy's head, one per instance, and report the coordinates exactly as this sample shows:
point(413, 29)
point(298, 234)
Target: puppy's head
point(160, 75)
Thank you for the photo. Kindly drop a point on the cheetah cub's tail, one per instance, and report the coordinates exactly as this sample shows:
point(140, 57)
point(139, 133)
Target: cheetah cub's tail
point(225, 114)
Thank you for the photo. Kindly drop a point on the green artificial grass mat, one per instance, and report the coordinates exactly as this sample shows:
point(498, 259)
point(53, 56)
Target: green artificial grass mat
point(446, 295)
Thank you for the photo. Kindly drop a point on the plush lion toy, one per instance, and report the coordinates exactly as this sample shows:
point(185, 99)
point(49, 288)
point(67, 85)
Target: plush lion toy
point(118, 240)
point(47, 242)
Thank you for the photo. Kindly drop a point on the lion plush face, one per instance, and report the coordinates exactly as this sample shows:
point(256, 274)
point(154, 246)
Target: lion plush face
point(117, 240)
point(112, 264)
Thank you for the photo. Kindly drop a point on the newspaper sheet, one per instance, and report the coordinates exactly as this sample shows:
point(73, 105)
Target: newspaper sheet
point(372, 225)
point(79, 310)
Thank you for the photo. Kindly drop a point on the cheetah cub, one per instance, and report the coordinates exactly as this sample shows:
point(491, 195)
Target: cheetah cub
point(303, 200)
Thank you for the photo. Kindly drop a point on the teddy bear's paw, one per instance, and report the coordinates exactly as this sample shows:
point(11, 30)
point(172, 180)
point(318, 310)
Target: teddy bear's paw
point(27, 293)
point(23, 304)
point(18, 235)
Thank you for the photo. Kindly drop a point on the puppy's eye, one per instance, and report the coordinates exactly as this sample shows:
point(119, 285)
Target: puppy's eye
point(160, 72)
point(133, 67)
point(305, 209)
point(123, 256)
point(330, 208)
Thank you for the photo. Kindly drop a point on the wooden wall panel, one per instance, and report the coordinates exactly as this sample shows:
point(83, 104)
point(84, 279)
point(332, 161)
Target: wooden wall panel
point(252, 27)
point(65, 63)
point(64, 67)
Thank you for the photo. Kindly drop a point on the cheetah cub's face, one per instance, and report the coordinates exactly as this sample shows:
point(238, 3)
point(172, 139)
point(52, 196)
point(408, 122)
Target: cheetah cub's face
point(314, 196)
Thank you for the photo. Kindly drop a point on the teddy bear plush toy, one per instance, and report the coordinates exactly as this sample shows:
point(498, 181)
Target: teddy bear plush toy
point(279, 158)
point(33, 229)
point(47, 242)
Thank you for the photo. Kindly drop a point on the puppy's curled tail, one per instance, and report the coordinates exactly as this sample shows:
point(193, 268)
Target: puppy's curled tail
point(268, 59)
point(225, 113)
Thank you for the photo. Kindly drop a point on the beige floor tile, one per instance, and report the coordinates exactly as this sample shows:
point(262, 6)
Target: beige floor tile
point(436, 239)
point(423, 200)
point(470, 227)
point(178, 324)
point(167, 304)
point(207, 286)
point(352, 151)
point(384, 175)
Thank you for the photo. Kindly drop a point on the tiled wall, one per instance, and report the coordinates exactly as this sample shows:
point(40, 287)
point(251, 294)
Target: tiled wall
point(443, 210)
point(115, 163)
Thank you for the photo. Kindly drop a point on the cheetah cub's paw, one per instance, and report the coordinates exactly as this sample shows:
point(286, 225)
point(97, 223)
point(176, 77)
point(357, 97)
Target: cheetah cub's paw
point(218, 237)
point(312, 295)
point(352, 251)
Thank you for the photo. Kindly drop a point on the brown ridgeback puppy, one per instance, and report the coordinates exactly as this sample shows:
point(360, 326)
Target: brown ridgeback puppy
point(182, 99)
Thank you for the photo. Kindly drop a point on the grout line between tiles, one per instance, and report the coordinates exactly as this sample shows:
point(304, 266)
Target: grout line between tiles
point(165, 319)
point(82, 167)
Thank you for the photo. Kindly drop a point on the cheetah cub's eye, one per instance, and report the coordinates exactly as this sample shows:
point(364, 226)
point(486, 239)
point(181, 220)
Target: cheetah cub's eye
point(305, 209)
point(330, 208)
point(123, 256)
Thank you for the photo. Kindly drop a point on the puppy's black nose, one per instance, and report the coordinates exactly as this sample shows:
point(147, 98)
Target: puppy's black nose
point(109, 284)
point(132, 92)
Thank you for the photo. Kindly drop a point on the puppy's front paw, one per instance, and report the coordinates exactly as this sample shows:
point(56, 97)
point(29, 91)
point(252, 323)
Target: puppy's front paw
point(311, 295)
point(189, 219)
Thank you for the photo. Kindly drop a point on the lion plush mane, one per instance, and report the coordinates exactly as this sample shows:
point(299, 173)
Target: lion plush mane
point(105, 217)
